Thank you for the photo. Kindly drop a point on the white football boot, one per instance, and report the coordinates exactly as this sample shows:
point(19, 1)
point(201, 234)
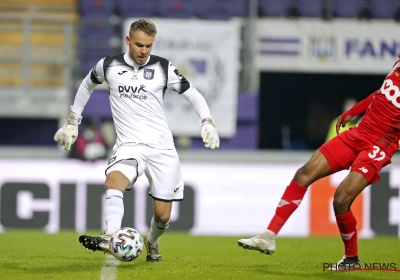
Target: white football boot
point(264, 242)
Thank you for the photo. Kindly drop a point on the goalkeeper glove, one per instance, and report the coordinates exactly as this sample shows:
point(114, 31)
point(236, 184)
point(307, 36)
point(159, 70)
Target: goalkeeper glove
point(66, 136)
point(209, 133)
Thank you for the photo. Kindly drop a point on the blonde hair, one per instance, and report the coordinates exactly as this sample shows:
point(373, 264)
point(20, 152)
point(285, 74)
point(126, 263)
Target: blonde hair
point(144, 25)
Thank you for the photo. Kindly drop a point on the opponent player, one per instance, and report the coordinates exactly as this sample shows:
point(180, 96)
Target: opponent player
point(364, 149)
point(137, 82)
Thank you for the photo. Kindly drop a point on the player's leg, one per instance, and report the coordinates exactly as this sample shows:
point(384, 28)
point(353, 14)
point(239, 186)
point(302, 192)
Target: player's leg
point(166, 185)
point(364, 171)
point(117, 181)
point(344, 196)
point(159, 224)
point(325, 161)
point(115, 185)
point(316, 168)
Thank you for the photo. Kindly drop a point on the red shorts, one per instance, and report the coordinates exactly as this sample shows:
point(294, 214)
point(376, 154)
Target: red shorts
point(357, 152)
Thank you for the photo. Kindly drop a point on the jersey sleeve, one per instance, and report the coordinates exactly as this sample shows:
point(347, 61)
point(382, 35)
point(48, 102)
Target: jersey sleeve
point(396, 64)
point(360, 107)
point(198, 102)
point(97, 72)
point(89, 83)
point(176, 81)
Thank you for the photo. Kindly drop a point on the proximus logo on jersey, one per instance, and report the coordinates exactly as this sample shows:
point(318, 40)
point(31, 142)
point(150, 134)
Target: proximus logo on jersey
point(391, 92)
point(130, 92)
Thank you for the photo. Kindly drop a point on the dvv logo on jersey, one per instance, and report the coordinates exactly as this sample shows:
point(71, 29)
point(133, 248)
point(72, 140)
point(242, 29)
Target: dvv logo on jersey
point(129, 92)
point(131, 89)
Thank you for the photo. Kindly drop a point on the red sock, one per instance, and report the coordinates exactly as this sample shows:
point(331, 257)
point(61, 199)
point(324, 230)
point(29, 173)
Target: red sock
point(290, 200)
point(347, 224)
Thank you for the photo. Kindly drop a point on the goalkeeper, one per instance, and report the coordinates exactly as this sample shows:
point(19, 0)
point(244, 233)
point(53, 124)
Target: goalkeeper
point(137, 82)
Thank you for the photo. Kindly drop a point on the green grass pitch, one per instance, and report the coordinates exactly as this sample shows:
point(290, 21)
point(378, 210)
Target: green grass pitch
point(37, 255)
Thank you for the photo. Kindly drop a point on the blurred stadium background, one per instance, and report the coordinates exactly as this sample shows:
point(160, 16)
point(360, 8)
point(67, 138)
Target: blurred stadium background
point(275, 73)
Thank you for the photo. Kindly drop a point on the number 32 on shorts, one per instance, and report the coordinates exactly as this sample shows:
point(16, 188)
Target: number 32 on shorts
point(377, 154)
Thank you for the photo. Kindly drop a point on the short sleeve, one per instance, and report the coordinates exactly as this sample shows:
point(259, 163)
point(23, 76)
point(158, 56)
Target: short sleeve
point(176, 81)
point(97, 72)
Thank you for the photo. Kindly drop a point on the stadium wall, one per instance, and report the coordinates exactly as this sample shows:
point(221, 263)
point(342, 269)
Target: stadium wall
point(222, 197)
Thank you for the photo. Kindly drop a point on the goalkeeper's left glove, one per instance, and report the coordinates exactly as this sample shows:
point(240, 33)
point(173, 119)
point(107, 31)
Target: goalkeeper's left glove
point(209, 133)
point(66, 136)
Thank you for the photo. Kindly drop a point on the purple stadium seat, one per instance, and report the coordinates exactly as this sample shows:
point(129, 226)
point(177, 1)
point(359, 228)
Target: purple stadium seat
point(137, 8)
point(96, 7)
point(85, 66)
point(95, 29)
point(89, 56)
point(94, 39)
point(94, 53)
point(310, 8)
point(99, 105)
point(247, 133)
point(274, 8)
point(214, 9)
point(346, 8)
point(240, 8)
point(222, 9)
point(383, 8)
point(176, 8)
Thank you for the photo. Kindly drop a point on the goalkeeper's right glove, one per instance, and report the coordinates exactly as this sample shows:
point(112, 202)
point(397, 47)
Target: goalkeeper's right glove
point(66, 135)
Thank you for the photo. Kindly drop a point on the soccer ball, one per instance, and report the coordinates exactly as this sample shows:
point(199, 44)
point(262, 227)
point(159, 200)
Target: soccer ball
point(126, 244)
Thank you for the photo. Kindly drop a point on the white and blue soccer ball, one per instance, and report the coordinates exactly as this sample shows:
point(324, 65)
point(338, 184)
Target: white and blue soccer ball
point(126, 244)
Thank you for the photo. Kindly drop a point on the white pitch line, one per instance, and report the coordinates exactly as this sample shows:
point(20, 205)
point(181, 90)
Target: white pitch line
point(109, 268)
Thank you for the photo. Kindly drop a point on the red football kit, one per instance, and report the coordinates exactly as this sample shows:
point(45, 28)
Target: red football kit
point(369, 146)
point(365, 148)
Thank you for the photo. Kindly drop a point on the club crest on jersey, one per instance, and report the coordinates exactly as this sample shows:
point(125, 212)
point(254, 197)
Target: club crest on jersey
point(148, 74)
